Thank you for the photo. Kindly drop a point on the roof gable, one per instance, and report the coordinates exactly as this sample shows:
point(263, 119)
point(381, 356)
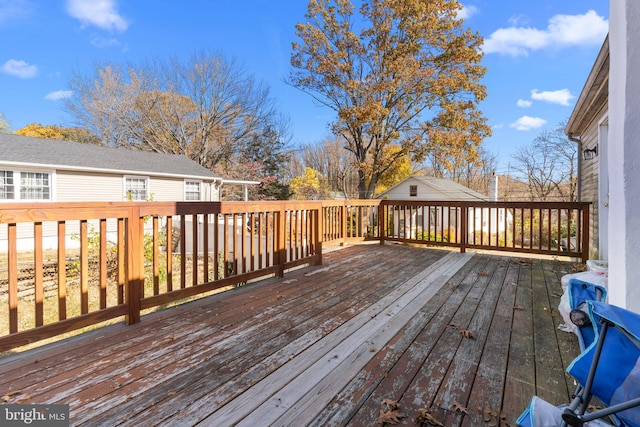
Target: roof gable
point(66, 155)
point(433, 189)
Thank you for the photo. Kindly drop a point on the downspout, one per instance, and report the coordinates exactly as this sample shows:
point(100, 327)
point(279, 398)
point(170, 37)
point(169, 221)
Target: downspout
point(579, 177)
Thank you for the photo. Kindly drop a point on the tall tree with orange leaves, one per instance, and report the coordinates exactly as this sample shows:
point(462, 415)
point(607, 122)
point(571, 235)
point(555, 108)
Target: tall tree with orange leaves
point(402, 72)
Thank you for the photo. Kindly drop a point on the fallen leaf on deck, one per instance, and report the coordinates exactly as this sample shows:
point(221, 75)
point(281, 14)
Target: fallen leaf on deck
point(468, 334)
point(23, 399)
point(517, 307)
point(457, 407)
point(524, 262)
point(391, 417)
point(372, 349)
point(425, 418)
point(390, 405)
point(483, 273)
point(557, 294)
point(9, 394)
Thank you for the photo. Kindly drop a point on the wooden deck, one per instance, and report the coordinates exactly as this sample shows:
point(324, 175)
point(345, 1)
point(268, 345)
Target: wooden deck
point(470, 337)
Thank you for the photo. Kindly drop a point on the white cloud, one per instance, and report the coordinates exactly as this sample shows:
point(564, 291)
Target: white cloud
point(14, 9)
point(19, 68)
point(101, 13)
point(522, 103)
point(58, 94)
point(467, 11)
point(562, 96)
point(562, 31)
point(526, 123)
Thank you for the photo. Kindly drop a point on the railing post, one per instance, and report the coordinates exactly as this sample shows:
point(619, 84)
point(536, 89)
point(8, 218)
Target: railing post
point(319, 232)
point(135, 264)
point(464, 233)
point(382, 232)
point(343, 222)
point(281, 242)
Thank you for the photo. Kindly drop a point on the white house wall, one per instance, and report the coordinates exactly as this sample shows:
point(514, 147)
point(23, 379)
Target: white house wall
point(624, 154)
point(82, 187)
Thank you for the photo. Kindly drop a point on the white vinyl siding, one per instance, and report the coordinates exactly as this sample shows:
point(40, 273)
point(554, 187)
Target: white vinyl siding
point(82, 187)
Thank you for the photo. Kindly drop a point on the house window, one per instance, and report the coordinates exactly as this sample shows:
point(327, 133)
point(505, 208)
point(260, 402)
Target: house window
point(29, 186)
point(413, 190)
point(34, 186)
point(135, 188)
point(7, 191)
point(192, 190)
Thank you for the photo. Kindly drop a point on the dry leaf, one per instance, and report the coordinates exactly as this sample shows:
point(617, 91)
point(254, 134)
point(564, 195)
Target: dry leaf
point(457, 407)
point(425, 418)
point(372, 349)
point(391, 417)
point(23, 399)
point(468, 334)
point(517, 307)
point(483, 273)
point(390, 405)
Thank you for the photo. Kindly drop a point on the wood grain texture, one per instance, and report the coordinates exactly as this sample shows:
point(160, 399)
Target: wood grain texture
point(323, 346)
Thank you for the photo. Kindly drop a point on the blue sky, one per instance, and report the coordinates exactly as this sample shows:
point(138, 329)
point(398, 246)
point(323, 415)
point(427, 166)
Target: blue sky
point(538, 54)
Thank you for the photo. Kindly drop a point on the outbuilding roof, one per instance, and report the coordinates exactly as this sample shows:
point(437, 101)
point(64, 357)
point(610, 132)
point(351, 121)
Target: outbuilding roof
point(24, 151)
point(440, 189)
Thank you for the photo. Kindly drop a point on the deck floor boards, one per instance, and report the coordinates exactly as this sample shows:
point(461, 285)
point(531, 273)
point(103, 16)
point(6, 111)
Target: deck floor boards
point(324, 346)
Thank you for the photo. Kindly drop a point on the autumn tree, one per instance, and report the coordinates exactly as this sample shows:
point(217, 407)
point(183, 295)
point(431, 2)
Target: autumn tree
point(206, 108)
point(37, 130)
point(333, 161)
point(401, 72)
point(549, 166)
point(311, 185)
point(400, 169)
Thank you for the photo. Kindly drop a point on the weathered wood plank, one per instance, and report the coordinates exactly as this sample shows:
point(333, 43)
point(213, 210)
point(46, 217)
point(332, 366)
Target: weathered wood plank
point(195, 389)
point(402, 352)
point(520, 381)
point(325, 387)
point(488, 385)
point(550, 382)
point(328, 351)
point(414, 381)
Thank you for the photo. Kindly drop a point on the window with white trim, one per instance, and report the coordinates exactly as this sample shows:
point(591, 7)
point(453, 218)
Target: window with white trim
point(192, 191)
point(7, 187)
point(25, 186)
point(135, 188)
point(35, 186)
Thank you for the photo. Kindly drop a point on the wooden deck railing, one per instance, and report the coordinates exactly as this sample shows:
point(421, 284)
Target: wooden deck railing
point(554, 228)
point(65, 266)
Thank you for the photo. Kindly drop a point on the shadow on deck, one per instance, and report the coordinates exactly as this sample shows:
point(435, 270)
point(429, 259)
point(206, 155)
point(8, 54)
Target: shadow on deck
point(470, 337)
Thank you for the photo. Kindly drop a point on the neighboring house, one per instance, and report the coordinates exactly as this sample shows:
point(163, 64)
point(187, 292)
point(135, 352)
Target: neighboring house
point(588, 126)
point(43, 170)
point(424, 188)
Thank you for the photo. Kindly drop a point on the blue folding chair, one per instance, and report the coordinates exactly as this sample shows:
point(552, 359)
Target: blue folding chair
point(608, 368)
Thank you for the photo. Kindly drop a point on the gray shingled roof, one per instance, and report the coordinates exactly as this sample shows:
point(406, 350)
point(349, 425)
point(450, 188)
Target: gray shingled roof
point(452, 190)
point(59, 154)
